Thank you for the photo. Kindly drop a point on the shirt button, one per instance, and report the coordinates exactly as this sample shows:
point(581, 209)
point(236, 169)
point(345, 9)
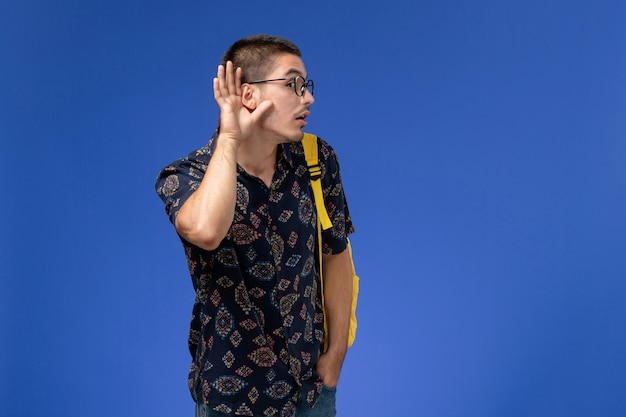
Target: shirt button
point(274, 228)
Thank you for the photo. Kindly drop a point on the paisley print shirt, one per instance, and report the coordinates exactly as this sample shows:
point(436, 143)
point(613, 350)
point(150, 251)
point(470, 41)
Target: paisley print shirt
point(257, 324)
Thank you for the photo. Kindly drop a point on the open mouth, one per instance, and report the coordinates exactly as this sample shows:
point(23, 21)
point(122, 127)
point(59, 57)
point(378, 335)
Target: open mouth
point(303, 116)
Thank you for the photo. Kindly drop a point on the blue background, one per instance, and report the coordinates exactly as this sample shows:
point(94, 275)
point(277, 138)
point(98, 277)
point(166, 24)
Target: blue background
point(483, 149)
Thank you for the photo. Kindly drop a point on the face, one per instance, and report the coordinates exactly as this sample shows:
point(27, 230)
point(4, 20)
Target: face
point(286, 119)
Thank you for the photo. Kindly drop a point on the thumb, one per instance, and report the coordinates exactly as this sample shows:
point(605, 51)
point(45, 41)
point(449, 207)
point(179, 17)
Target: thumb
point(261, 110)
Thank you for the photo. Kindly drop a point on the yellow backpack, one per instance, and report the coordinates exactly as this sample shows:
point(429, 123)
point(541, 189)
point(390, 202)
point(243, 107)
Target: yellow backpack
point(309, 142)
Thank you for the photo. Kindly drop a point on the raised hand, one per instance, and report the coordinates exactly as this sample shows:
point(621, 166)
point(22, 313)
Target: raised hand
point(236, 120)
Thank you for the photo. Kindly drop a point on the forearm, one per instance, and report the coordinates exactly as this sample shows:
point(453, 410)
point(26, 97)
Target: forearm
point(207, 215)
point(337, 275)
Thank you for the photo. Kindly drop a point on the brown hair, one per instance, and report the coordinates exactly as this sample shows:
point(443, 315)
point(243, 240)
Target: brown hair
point(254, 54)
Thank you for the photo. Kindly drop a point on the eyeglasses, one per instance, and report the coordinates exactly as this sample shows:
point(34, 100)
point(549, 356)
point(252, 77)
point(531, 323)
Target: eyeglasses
point(300, 84)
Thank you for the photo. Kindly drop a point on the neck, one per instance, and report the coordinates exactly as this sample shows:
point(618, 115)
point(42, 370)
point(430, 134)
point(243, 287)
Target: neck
point(258, 158)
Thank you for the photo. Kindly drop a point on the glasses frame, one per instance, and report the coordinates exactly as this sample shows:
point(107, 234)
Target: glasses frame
point(307, 85)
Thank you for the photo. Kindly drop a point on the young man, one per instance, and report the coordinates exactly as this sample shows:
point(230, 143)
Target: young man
point(244, 210)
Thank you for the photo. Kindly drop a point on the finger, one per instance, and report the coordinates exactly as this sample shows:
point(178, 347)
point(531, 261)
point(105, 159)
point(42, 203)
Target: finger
point(238, 73)
point(261, 110)
point(230, 78)
point(216, 89)
point(219, 90)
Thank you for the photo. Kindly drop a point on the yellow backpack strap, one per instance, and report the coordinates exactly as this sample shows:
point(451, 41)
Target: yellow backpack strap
point(309, 142)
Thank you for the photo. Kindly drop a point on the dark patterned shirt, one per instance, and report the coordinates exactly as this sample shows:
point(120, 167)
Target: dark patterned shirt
point(257, 325)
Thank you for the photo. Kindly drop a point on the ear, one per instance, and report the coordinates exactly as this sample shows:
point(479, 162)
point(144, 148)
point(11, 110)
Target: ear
point(248, 97)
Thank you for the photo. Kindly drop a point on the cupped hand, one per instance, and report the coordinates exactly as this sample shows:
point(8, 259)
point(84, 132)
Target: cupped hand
point(236, 120)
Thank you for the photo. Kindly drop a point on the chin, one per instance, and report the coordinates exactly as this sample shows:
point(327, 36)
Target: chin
point(295, 137)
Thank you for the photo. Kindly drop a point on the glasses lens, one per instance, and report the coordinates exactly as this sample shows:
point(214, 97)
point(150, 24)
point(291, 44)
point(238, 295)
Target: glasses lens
point(301, 85)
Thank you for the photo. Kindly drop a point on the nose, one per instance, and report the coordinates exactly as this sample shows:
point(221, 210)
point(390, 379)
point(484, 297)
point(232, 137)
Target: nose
point(307, 97)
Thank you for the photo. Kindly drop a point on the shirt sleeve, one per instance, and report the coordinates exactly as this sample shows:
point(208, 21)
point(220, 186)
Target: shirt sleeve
point(336, 238)
point(178, 181)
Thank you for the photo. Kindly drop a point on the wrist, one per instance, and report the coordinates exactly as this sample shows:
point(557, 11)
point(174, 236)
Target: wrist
point(228, 139)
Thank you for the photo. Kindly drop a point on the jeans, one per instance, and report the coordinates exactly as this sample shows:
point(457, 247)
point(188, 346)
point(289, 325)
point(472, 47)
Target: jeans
point(325, 406)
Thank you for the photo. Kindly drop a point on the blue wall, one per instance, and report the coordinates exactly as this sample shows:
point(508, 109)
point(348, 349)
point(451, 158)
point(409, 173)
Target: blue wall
point(482, 145)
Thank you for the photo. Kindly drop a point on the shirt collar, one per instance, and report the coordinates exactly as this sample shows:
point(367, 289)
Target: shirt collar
point(285, 153)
